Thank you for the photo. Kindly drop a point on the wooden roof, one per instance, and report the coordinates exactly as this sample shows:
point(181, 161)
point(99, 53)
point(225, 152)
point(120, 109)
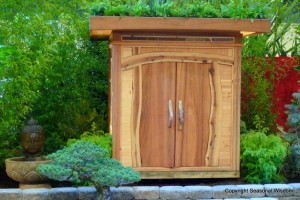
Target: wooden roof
point(102, 26)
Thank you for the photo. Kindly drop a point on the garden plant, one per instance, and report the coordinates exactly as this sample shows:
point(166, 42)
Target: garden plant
point(262, 156)
point(292, 135)
point(84, 161)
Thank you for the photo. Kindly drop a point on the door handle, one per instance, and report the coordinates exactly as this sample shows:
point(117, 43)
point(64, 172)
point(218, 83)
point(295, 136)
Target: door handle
point(181, 115)
point(170, 114)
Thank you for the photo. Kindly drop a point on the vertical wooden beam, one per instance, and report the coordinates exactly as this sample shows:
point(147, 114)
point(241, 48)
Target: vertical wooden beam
point(236, 106)
point(115, 99)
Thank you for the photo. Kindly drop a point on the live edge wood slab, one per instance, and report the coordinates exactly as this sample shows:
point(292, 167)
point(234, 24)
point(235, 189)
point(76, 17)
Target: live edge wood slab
point(175, 93)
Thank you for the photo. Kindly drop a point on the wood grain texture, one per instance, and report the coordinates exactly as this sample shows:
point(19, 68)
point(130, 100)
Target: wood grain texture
point(176, 57)
point(156, 139)
point(192, 89)
point(226, 136)
point(228, 51)
point(126, 139)
point(189, 174)
point(102, 26)
point(178, 44)
point(215, 120)
point(146, 78)
point(115, 99)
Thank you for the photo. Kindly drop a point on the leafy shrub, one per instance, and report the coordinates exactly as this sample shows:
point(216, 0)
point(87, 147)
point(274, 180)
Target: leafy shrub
point(292, 136)
point(261, 157)
point(85, 161)
point(97, 137)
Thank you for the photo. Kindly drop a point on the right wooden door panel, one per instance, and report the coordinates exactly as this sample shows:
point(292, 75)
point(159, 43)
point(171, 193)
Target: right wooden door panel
point(193, 91)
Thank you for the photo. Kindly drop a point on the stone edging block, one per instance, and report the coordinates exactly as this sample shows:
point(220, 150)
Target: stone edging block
point(146, 192)
point(279, 190)
point(199, 192)
point(8, 194)
point(296, 188)
point(221, 192)
point(226, 191)
point(173, 192)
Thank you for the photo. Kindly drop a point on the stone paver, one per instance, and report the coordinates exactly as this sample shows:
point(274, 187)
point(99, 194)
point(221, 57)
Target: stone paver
point(173, 192)
point(199, 192)
point(226, 191)
point(63, 193)
point(87, 193)
point(237, 199)
point(35, 194)
point(121, 193)
point(288, 198)
point(264, 198)
point(278, 190)
point(296, 188)
point(146, 192)
point(9, 194)
point(252, 191)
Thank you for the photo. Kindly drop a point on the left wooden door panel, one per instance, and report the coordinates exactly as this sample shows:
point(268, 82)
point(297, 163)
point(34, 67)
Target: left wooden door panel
point(157, 88)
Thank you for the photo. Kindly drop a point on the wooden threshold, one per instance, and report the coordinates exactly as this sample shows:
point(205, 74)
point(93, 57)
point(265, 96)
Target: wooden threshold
point(188, 174)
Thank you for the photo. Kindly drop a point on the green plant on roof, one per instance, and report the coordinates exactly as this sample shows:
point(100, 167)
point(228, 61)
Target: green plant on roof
point(171, 8)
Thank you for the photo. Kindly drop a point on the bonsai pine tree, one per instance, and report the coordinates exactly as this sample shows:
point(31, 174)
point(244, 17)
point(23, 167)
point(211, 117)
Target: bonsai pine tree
point(86, 161)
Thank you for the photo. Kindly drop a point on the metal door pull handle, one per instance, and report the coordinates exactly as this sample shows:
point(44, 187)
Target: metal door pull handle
point(181, 115)
point(170, 114)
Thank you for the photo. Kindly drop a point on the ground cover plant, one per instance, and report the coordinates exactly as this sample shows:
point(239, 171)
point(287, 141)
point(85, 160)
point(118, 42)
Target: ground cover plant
point(86, 161)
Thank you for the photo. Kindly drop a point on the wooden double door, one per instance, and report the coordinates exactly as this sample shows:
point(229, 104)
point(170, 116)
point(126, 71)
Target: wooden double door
point(175, 113)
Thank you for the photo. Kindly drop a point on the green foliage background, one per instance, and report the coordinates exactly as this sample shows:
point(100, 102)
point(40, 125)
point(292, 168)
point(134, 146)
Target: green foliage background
point(257, 86)
point(50, 69)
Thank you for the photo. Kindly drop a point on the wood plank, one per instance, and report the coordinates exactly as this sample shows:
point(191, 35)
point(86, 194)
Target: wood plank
point(185, 169)
point(156, 139)
point(215, 122)
point(236, 107)
point(102, 26)
point(126, 118)
point(177, 44)
point(192, 90)
point(115, 99)
point(174, 175)
point(203, 50)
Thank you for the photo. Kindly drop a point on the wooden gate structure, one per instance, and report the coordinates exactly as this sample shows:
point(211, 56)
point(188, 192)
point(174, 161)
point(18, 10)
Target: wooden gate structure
point(175, 93)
